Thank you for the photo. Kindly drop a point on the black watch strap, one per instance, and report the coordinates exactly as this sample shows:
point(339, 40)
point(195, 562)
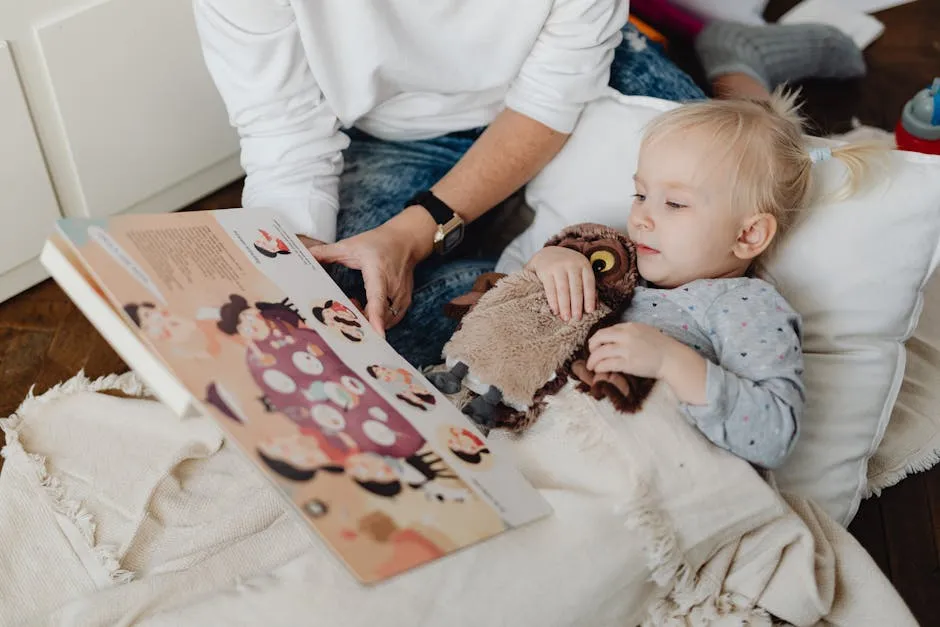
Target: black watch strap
point(438, 209)
point(449, 225)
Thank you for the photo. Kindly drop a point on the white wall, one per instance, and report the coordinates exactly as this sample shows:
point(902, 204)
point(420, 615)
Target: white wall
point(105, 108)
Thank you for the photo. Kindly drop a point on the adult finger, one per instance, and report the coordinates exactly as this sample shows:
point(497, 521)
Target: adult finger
point(401, 300)
point(337, 252)
point(590, 290)
point(309, 242)
point(376, 294)
point(395, 311)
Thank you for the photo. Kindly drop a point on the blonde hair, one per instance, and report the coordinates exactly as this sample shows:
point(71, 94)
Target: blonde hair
point(773, 168)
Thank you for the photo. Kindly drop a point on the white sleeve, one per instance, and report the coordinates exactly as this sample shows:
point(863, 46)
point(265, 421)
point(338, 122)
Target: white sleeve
point(569, 65)
point(291, 141)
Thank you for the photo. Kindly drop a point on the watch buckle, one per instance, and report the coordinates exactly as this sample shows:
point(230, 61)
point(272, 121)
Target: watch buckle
point(444, 229)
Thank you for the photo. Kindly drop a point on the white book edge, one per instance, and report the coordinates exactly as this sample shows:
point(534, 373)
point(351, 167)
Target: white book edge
point(116, 331)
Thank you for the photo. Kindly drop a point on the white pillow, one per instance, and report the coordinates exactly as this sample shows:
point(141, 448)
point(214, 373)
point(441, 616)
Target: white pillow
point(855, 270)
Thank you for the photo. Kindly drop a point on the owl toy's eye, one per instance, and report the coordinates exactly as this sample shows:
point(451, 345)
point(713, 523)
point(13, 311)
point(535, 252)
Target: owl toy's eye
point(602, 261)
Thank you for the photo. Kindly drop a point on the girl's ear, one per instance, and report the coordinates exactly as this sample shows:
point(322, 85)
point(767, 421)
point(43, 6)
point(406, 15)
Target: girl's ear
point(755, 236)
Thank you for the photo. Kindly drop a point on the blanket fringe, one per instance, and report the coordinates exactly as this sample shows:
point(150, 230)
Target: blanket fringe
point(690, 600)
point(73, 510)
point(922, 463)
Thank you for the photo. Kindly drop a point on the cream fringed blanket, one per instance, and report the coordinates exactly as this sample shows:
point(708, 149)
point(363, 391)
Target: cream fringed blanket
point(114, 512)
point(912, 439)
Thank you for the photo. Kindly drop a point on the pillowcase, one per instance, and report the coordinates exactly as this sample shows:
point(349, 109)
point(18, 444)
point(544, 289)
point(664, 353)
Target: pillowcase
point(855, 270)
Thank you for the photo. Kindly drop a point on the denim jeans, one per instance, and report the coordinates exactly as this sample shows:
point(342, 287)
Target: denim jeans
point(380, 176)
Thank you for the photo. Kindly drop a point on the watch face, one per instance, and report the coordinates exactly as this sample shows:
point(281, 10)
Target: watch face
point(452, 238)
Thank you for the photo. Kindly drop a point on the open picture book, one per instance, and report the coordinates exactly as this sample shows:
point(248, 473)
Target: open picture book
point(226, 314)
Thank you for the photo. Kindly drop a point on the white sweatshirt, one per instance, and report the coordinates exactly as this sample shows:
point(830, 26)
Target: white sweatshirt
point(293, 73)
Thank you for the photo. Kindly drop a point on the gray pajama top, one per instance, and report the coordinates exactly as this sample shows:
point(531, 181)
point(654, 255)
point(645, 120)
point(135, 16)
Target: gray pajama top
point(751, 338)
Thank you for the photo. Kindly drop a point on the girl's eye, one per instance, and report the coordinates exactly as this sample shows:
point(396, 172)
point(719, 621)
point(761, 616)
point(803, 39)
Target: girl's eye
point(675, 205)
point(639, 197)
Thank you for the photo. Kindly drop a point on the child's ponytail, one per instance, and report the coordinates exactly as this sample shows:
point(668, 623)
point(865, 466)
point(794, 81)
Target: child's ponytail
point(858, 159)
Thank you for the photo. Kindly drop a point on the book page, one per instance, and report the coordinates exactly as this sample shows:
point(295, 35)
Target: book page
point(370, 455)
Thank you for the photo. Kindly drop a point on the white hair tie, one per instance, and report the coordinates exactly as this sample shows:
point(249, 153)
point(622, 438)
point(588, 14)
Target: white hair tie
point(820, 154)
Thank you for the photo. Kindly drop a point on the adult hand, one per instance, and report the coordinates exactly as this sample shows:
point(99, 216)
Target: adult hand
point(311, 243)
point(386, 256)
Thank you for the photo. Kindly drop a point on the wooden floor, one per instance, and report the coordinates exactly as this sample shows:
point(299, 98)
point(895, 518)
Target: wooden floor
point(45, 339)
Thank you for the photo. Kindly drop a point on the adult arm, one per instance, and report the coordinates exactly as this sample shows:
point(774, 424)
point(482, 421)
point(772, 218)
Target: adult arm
point(290, 138)
point(568, 67)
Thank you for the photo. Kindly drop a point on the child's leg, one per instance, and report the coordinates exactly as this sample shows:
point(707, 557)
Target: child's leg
point(744, 60)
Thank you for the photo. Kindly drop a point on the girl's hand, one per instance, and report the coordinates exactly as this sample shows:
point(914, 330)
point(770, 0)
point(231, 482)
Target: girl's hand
point(644, 351)
point(568, 280)
point(631, 348)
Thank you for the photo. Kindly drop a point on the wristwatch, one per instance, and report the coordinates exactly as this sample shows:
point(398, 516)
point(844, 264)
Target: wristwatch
point(450, 226)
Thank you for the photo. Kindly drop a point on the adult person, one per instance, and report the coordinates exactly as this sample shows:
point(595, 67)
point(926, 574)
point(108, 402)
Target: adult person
point(384, 129)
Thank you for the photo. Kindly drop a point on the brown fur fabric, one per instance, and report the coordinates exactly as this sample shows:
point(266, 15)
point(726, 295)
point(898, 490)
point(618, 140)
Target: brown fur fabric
point(511, 339)
point(625, 392)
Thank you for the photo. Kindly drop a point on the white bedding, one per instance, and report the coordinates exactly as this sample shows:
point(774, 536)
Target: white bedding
point(651, 524)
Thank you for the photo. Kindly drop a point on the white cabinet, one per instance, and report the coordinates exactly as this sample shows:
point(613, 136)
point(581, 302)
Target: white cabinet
point(126, 116)
point(27, 200)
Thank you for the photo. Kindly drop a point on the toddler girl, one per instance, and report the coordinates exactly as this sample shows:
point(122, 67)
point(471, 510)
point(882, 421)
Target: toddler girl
point(717, 183)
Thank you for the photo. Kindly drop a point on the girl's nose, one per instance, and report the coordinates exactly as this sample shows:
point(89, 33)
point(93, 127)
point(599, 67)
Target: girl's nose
point(639, 217)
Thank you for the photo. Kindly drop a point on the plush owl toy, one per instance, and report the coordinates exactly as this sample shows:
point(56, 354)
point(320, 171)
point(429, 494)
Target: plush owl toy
point(511, 351)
